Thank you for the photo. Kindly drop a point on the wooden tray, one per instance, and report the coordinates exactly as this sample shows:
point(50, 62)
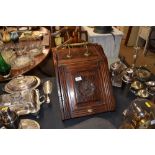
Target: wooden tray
point(36, 60)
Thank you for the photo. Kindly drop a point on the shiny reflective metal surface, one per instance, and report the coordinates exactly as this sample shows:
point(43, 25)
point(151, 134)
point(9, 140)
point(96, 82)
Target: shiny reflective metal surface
point(151, 90)
point(47, 88)
point(116, 70)
point(23, 102)
point(139, 115)
point(150, 83)
point(22, 83)
point(137, 85)
point(28, 124)
point(142, 74)
point(116, 65)
point(142, 93)
point(128, 75)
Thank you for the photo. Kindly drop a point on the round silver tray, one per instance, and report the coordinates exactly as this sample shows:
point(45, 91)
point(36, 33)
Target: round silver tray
point(18, 84)
point(28, 124)
point(142, 74)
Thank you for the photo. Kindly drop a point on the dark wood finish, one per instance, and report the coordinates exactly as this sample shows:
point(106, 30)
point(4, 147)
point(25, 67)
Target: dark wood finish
point(128, 35)
point(84, 85)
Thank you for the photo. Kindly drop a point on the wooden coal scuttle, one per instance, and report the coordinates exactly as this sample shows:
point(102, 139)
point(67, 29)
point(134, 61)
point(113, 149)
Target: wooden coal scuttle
point(83, 80)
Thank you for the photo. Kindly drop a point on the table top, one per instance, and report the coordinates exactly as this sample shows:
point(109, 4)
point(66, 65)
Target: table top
point(49, 116)
point(91, 33)
point(36, 61)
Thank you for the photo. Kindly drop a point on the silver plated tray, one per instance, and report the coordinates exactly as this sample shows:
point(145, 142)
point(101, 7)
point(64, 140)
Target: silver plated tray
point(22, 83)
point(24, 102)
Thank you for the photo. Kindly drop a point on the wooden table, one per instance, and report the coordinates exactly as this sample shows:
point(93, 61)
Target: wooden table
point(36, 60)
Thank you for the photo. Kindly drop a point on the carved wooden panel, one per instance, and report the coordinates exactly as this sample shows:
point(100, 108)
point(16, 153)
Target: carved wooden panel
point(84, 84)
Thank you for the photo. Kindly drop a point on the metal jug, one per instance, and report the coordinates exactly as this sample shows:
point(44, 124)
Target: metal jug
point(8, 118)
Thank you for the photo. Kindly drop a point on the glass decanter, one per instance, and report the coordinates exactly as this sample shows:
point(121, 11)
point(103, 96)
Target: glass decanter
point(5, 68)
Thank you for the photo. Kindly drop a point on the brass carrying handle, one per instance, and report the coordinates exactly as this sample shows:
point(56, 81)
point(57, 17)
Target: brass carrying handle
point(73, 45)
point(87, 53)
point(76, 44)
point(65, 44)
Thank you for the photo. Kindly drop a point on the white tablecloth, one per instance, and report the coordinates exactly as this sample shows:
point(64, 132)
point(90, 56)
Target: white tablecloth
point(110, 44)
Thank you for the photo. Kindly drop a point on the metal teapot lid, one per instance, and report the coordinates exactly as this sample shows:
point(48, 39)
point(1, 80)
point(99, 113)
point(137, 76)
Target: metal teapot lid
point(21, 83)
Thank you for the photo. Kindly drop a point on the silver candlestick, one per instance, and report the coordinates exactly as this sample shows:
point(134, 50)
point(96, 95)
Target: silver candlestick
point(135, 56)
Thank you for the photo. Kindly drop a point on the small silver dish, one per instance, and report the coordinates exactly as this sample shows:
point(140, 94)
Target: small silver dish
point(28, 124)
point(137, 85)
point(142, 74)
point(151, 90)
point(150, 83)
point(142, 93)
